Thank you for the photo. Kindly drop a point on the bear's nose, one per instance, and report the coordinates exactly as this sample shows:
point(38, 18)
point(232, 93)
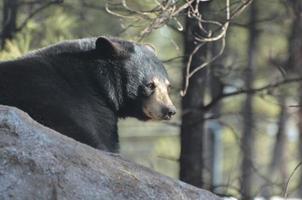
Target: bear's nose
point(168, 112)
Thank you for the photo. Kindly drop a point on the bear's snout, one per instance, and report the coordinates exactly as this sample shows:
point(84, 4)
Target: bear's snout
point(168, 112)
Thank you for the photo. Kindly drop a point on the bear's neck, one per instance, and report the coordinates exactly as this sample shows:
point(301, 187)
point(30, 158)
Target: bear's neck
point(91, 76)
point(96, 92)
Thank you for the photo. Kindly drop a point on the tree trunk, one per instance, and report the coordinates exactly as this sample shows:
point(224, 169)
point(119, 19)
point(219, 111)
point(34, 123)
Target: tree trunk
point(278, 163)
point(192, 128)
point(214, 127)
point(9, 23)
point(295, 63)
point(248, 138)
point(300, 144)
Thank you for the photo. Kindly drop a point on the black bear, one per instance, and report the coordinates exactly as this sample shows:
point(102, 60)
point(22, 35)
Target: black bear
point(81, 87)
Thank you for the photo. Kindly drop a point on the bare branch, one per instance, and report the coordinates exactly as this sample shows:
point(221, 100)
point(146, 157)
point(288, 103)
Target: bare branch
point(204, 40)
point(37, 11)
point(289, 179)
point(252, 90)
point(241, 8)
point(184, 91)
point(166, 11)
point(173, 59)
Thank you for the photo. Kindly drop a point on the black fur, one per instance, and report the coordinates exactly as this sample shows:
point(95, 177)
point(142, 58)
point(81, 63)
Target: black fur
point(81, 87)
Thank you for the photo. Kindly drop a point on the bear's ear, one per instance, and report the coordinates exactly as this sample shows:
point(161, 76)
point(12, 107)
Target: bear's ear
point(108, 48)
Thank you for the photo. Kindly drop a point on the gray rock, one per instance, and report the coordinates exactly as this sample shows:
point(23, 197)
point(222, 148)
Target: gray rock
point(39, 163)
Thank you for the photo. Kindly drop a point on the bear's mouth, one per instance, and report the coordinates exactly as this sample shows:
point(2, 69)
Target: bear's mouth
point(149, 116)
point(167, 117)
point(146, 117)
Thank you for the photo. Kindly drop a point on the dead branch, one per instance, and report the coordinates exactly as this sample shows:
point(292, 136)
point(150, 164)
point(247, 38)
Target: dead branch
point(203, 41)
point(289, 179)
point(167, 11)
point(250, 91)
point(37, 11)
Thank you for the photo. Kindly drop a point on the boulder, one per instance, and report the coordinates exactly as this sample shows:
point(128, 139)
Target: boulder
point(39, 163)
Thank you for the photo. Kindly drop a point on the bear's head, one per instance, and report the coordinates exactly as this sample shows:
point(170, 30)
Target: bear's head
point(139, 82)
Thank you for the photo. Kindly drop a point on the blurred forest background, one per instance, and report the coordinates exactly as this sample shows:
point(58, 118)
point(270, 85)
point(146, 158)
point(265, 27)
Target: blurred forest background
point(236, 68)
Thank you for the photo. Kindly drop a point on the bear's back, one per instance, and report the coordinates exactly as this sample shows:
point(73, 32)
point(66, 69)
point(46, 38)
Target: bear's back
point(69, 46)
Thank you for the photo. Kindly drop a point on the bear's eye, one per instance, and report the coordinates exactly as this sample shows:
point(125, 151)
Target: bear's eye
point(151, 86)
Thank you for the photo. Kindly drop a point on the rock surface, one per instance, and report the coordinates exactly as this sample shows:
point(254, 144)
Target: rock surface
point(39, 163)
